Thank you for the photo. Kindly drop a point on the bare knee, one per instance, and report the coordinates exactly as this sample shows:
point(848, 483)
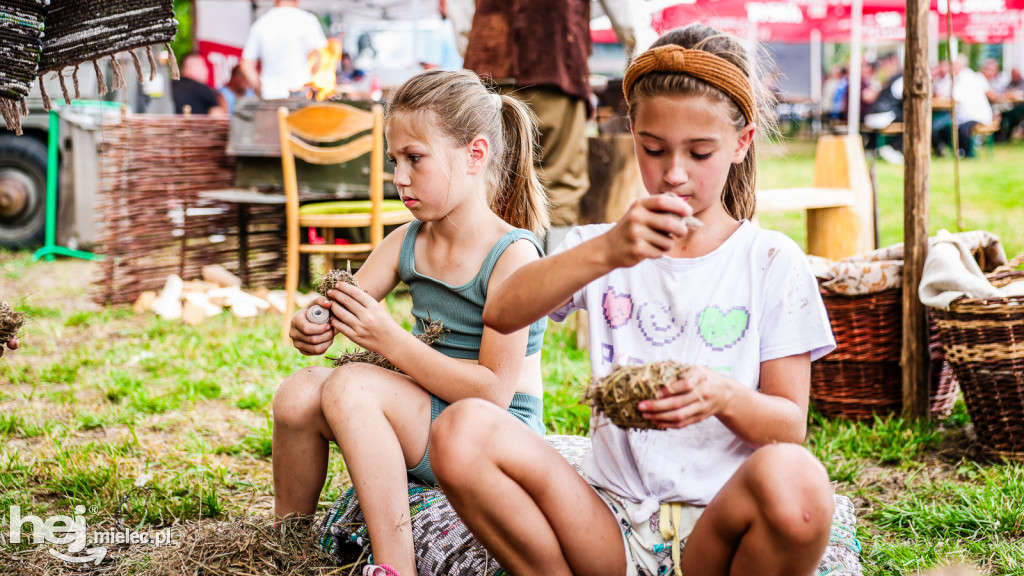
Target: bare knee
point(297, 401)
point(349, 387)
point(793, 492)
point(459, 439)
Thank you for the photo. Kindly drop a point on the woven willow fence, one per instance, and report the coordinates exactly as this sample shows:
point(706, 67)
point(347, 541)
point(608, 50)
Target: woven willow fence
point(151, 220)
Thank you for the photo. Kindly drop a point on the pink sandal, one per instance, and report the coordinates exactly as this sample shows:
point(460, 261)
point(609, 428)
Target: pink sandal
point(379, 570)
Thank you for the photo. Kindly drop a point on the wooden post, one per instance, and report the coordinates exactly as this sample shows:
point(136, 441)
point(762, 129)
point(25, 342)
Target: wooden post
point(842, 231)
point(917, 114)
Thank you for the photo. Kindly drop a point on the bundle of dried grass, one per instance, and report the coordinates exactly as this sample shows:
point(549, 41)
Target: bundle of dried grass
point(10, 322)
point(318, 314)
point(433, 332)
point(334, 277)
point(617, 394)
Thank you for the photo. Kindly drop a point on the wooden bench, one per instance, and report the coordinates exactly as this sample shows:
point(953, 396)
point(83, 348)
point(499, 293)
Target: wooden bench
point(840, 205)
point(984, 134)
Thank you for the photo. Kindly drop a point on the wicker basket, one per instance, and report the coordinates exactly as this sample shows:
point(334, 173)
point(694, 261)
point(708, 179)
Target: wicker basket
point(984, 340)
point(862, 377)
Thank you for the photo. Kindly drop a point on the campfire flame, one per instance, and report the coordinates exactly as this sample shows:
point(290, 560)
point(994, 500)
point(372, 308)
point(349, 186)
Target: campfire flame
point(323, 65)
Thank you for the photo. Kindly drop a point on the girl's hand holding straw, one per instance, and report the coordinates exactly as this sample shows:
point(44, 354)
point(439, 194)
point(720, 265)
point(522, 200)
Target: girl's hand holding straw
point(700, 393)
point(309, 337)
point(362, 319)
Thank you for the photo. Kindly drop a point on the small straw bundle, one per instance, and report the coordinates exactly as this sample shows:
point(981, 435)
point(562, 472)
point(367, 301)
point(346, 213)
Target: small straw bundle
point(617, 394)
point(433, 332)
point(318, 314)
point(332, 278)
point(10, 322)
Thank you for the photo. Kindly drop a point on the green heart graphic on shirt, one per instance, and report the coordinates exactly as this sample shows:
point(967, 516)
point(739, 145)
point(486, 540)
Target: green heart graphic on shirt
point(722, 330)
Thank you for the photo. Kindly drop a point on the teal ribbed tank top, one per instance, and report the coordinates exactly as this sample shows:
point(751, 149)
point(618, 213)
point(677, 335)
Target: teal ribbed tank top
point(459, 308)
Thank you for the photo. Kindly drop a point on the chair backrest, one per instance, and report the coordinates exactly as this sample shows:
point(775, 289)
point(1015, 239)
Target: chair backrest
point(311, 132)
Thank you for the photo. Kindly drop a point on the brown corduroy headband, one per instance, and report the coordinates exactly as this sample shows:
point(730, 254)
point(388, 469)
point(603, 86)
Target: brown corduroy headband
point(714, 70)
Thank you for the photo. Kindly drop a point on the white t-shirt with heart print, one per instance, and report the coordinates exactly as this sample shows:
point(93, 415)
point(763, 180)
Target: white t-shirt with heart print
point(751, 300)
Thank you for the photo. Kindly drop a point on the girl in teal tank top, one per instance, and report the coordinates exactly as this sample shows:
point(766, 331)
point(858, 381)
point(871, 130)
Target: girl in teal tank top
point(463, 161)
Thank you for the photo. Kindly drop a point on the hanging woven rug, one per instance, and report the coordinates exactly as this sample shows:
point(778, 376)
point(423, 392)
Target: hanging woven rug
point(81, 31)
point(21, 30)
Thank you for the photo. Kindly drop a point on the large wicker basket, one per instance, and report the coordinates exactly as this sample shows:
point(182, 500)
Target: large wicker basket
point(984, 341)
point(862, 377)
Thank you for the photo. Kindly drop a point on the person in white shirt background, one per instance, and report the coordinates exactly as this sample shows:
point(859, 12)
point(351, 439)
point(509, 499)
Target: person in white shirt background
point(972, 108)
point(281, 40)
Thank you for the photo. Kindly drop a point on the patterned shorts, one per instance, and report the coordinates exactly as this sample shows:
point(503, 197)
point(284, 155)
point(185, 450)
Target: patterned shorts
point(648, 552)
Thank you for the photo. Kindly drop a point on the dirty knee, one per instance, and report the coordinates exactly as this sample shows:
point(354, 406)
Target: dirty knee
point(347, 386)
point(297, 401)
point(793, 491)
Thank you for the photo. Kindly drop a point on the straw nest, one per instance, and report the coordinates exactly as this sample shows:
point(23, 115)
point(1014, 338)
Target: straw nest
point(333, 278)
point(617, 394)
point(319, 314)
point(433, 332)
point(10, 322)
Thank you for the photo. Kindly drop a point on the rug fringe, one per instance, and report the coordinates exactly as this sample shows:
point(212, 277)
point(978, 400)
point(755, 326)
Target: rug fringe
point(64, 88)
point(101, 82)
point(138, 66)
point(9, 110)
point(152, 63)
point(173, 62)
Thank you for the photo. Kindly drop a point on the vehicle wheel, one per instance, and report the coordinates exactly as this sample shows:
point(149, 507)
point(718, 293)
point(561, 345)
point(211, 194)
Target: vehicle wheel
point(22, 191)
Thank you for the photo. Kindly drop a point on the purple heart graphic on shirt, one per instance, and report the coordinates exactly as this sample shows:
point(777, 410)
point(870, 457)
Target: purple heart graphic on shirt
point(617, 308)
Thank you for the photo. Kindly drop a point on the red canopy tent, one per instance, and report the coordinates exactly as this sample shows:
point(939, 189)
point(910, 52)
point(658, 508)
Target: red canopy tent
point(883, 20)
point(816, 21)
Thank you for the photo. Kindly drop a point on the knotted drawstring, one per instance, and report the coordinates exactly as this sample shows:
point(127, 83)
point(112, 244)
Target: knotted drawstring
point(669, 519)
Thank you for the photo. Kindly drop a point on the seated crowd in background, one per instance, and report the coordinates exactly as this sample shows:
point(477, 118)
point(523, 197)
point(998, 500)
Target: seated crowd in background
point(989, 97)
point(968, 94)
point(1006, 94)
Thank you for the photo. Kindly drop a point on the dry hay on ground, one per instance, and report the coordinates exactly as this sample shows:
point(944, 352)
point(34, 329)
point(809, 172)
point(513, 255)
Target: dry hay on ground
point(11, 322)
point(250, 546)
point(617, 394)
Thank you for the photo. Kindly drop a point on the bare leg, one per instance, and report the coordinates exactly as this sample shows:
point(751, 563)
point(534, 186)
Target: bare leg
point(300, 443)
point(381, 420)
point(772, 518)
point(520, 498)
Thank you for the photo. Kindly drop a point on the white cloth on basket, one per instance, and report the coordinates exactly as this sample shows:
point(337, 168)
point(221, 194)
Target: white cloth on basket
point(950, 272)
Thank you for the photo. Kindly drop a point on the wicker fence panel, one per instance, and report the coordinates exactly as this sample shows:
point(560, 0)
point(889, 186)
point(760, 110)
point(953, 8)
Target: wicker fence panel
point(151, 220)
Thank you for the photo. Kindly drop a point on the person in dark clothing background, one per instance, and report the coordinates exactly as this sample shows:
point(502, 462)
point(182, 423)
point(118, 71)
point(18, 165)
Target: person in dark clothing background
point(537, 50)
point(886, 109)
point(191, 89)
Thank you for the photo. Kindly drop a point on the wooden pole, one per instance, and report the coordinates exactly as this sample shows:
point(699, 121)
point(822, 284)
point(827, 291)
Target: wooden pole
point(917, 122)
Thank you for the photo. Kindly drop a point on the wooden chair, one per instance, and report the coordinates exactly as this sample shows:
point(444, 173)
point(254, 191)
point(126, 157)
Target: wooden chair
point(313, 134)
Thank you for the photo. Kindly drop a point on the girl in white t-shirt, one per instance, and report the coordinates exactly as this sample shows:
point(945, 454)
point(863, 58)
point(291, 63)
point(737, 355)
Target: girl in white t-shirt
point(724, 473)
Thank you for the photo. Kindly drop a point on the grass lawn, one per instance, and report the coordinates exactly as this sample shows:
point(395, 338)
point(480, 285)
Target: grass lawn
point(150, 424)
point(991, 189)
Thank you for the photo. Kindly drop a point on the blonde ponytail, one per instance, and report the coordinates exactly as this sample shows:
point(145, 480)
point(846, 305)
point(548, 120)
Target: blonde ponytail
point(520, 199)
